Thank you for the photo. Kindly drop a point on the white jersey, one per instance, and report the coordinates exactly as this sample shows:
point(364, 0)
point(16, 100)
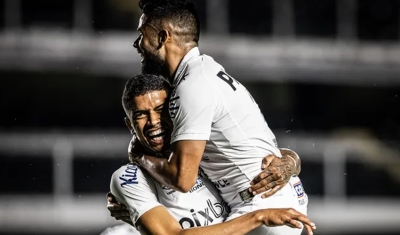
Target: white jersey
point(208, 104)
point(140, 192)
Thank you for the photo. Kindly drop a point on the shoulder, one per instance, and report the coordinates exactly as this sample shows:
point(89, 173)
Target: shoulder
point(199, 71)
point(128, 174)
point(130, 178)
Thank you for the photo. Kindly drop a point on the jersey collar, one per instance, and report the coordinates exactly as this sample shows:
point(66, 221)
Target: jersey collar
point(182, 66)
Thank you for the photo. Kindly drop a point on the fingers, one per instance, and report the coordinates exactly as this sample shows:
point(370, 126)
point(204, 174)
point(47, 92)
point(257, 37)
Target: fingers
point(309, 229)
point(271, 192)
point(121, 215)
point(297, 219)
point(262, 176)
point(294, 224)
point(263, 187)
point(268, 185)
point(308, 224)
point(111, 198)
point(116, 206)
point(119, 212)
point(267, 161)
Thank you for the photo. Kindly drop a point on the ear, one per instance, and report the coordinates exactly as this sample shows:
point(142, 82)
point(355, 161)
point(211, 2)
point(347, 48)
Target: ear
point(129, 125)
point(163, 36)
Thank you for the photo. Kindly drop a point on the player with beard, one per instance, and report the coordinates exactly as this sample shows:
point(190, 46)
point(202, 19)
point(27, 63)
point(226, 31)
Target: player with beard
point(217, 124)
point(156, 209)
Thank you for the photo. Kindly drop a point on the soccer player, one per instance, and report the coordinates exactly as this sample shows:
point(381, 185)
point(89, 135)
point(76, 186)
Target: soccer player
point(157, 209)
point(217, 123)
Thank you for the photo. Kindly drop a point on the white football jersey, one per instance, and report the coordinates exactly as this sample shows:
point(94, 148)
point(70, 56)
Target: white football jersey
point(208, 104)
point(136, 189)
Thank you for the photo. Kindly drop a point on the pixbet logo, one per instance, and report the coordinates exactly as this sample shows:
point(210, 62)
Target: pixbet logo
point(204, 217)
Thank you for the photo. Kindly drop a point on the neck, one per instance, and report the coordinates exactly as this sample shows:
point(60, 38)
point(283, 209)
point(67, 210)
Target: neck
point(174, 58)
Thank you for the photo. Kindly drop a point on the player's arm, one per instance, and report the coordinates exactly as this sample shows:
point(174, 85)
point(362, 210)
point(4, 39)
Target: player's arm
point(192, 114)
point(134, 189)
point(292, 159)
point(159, 221)
point(179, 168)
point(276, 172)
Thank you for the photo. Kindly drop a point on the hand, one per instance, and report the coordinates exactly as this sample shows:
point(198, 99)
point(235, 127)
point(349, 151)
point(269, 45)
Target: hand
point(287, 216)
point(118, 210)
point(276, 174)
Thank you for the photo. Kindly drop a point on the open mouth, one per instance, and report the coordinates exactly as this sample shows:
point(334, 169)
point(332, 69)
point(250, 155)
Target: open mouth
point(156, 136)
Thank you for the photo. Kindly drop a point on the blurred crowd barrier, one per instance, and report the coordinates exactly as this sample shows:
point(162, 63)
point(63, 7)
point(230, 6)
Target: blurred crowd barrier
point(65, 210)
point(323, 63)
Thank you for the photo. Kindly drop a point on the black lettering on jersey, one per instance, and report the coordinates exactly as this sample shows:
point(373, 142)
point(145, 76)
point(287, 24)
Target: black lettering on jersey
point(203, 217)
point(188, 220)
point(130, 176)
point(199, 184)
point(195, 218)
point(228, 79)
point(201, 173)
point(221, 183)
point(173, 107)
point(206, 215)
point(217, 209)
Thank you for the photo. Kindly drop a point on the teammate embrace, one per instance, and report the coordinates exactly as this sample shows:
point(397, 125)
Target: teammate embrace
point(196, 116)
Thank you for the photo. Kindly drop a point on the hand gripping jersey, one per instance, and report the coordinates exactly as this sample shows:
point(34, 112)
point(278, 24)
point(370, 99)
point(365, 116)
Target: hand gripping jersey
point(208, 104)
point(137, 190)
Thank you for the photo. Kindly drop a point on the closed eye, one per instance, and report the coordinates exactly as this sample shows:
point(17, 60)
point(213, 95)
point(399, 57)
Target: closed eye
point(139, 115)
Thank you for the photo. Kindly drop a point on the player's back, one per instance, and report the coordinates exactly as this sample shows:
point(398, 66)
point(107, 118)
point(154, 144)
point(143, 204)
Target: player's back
point(239, 137)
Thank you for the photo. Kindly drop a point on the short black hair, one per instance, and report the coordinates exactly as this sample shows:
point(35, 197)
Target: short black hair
point(140, 85)
point(181, 13)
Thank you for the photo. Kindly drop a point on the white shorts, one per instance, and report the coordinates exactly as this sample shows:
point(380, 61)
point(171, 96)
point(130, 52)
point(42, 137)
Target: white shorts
point(292, 195)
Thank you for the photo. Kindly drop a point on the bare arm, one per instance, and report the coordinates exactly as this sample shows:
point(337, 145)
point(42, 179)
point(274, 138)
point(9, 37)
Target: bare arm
point(159, 221)
point(178, 169)
point(276, 173)
point(294, 161)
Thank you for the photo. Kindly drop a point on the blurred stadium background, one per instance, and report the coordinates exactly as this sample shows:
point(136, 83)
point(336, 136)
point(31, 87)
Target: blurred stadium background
point(326, 75)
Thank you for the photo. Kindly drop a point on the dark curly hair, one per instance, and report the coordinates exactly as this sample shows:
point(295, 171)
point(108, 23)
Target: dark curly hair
point(180, 13)
point(140, 85)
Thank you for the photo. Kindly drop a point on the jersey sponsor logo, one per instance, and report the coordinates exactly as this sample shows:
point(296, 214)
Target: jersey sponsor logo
point(167, 189)
point(206, 216)
point(199, 184)
point(303, 201)
point(221, 183)
point(299, 189)
point(130, 176)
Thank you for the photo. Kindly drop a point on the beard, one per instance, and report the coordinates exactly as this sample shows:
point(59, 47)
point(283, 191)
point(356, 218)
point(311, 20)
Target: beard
point(153, 64)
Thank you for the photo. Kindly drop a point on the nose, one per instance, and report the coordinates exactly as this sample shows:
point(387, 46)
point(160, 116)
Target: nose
point(154, 118)
point(136, 43)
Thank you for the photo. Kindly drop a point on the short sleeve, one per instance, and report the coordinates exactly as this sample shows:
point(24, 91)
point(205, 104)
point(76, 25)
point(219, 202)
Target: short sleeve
point(135, 190)
point(192, 109)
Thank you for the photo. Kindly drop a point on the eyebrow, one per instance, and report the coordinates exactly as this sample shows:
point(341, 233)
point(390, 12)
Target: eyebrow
point(159, 106)
point(142, 111)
